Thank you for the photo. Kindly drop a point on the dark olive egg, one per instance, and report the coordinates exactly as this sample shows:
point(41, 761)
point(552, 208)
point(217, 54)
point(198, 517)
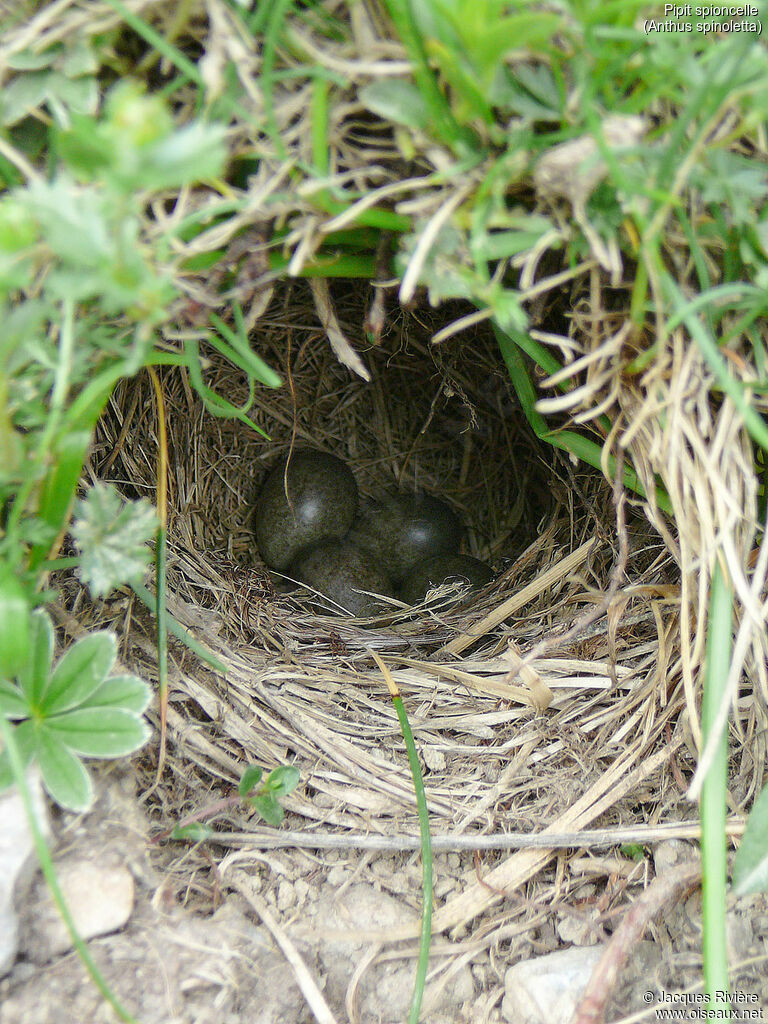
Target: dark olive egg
point(314, 501)
point(402, 529)
point(339, 570)
point(432, 572)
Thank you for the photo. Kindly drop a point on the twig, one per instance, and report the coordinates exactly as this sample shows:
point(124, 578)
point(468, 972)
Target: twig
point(661, 894)
point(591, 838)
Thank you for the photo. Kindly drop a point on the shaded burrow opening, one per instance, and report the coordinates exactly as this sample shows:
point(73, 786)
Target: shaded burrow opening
point(442, 419)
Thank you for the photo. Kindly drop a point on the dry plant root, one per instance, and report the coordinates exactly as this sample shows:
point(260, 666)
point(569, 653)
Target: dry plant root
point(661, 894)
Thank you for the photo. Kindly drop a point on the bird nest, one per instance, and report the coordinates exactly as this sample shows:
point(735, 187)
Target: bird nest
point(551, 698)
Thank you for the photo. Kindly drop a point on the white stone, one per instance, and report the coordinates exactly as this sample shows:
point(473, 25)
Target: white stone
point(286, 896)
point(17, 862)
point(301, 889)
point(670, 853)
point(434, 759)
point(547, 989)
point(99, 898)
point(580, 930)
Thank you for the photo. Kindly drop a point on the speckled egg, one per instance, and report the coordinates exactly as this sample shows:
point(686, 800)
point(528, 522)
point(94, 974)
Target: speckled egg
point(431, 572)
point(402, 529)
point(339, 570)
point(313, 501)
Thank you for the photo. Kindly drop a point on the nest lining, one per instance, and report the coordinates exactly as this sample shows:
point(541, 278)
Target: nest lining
point(614, 746)
point(303, 687)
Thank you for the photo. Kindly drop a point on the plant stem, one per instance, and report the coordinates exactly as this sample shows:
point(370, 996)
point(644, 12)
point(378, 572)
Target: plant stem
point(714, 789)
point(426, 843)
point(49, 872)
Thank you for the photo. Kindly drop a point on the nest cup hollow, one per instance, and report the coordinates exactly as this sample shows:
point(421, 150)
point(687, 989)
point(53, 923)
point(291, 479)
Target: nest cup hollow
point(438, 421)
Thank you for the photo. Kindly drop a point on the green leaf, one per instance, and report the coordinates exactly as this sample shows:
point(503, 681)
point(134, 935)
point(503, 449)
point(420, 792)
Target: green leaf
point(60, 483)
point(507, 311)
point(242, 355)
point(25, 735)
point(127, 692)
point(196, 832)
point(396, 100)
point(750, 868)
point(12, 702)
point(79, 58)
point(79, 672)
point(82, 147)
point(34, 677)
point(214, 403)
point(14, 623)
point(282, 780)
point(29, 60)
point(268, 807)
point(529, 90)
point(633, 850)
point(23, 95)
point(64, 775)
point(100, 732)
point(734, 181)
point(193, 153)
point(74, 221)
point(250, 778)
point(134, 118)
point(111, 535)
point(17, 226)
point(79, 95)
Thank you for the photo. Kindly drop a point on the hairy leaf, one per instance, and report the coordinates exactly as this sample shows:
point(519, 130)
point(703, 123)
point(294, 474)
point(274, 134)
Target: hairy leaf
point(100, 732)
point(111, 535)
point(79, 673)
point(64, 775)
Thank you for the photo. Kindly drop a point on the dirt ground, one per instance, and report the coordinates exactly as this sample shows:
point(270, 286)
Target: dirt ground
point(171, 964)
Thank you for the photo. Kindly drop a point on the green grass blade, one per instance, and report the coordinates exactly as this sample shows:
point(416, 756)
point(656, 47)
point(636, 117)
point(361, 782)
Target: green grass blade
point(445, 125)
point(214, 403)
point(150, 602)
point(240, 353)
point(735, 390)
point(324, 265)
point(714, 788)
point(426, 843)
point(567, 440)
point(159, 43)
point(426, 861)
point(274, 27)
point(58, 490)
point(49, 873)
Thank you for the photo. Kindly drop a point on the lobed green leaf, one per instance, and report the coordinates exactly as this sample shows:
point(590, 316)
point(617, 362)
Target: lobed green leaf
point(35, 675)
point(127, 692)
point(112, 535)
point(100, 732)
point(63, 773)
point(79, 672)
